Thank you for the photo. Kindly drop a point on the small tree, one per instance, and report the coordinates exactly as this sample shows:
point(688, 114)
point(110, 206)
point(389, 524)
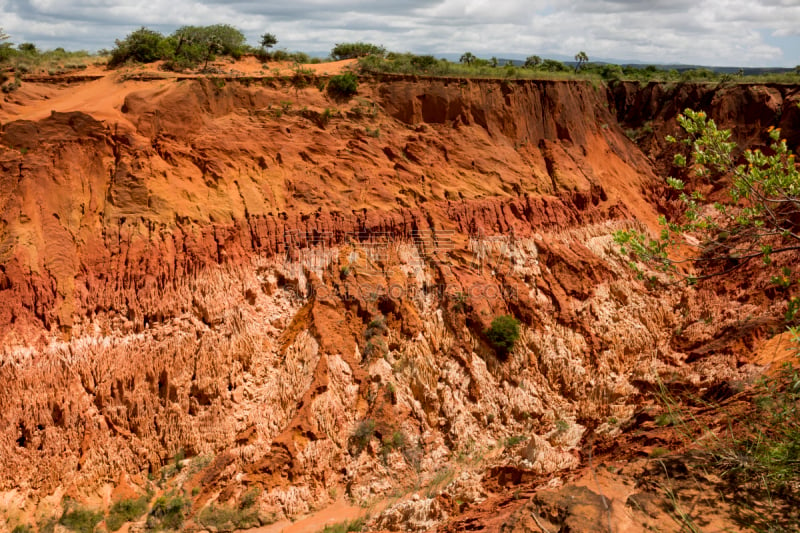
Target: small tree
point(192, 45)
point(503, 334)
point(467, 58)
point(533, 61)
point(268, 40)
point(580, 58)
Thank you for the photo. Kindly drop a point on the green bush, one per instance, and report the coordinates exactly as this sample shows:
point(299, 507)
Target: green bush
point(219, 517)
point(359, 49)
point(376, 326)
point(249, 498)
point(126, 510)
point(281, 55)
point(22, 528)
point(79, 519)
point(343, 84)
point(532, 61)
point(47, 526)
point(345, 527)
point(514, 440)
point(187, 47)
point(425, 62)
point(167, 512)
point(611, 72)
point(503, 334)
point(396, 441)
point(363, 433)
point(300, 57)
point(143, 46)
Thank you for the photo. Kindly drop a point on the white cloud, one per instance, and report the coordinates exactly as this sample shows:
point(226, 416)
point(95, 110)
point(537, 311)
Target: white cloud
point(718, 32)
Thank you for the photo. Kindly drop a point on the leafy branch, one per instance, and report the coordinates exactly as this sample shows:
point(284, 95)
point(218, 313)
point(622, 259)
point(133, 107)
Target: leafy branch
point(759, 218)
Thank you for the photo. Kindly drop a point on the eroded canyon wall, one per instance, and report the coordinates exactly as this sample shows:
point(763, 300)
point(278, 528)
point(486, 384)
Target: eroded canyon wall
point(249, 271)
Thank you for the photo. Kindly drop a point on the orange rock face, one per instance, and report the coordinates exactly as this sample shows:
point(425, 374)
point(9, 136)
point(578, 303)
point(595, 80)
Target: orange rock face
point(292, 290)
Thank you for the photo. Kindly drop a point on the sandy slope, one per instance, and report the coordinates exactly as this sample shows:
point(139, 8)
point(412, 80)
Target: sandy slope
point(103, 98)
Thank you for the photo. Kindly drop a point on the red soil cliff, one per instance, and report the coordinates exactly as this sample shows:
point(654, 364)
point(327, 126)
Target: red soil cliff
point(248, 271)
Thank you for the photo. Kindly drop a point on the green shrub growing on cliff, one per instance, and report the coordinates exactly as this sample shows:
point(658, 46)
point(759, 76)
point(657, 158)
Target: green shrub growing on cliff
point(220, 518)
point(167, 512)
point(126, 511)
point(503, 334)
point(363, 433)
point(343, 84)
point(345, 527)
point(192, 45)
point(79, 519)
point(532, 61)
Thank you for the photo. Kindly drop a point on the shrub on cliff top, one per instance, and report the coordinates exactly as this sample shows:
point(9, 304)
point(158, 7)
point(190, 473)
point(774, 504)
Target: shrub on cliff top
point(5, 48)
point(143, 46)
point(201, 42)
point(503, 334)
point(187, 47)
point(354, 50)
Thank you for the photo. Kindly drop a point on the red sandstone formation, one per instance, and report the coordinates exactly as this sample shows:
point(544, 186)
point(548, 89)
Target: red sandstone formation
point(250, 273)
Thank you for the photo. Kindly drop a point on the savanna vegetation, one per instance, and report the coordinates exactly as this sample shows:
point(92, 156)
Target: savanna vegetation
point(27, 58)
point(536, 67)
point(195, 47)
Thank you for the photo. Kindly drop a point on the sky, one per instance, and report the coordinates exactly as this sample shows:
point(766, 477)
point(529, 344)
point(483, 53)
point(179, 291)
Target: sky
point(745, 33)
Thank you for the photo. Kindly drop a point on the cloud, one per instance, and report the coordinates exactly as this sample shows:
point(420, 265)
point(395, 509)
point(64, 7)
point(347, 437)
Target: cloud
point(718, 32)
